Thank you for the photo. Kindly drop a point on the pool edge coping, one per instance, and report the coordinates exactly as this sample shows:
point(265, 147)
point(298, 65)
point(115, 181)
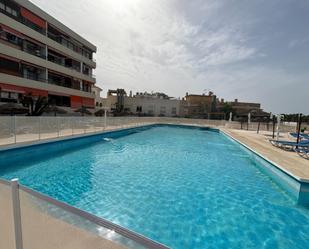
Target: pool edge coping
point(279, 167)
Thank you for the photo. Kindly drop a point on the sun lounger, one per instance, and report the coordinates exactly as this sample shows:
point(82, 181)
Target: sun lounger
point(301, 135)
point(288, 145)
point(303, 152)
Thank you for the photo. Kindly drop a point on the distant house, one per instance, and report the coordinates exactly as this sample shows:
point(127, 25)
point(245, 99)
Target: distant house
point(145, 104)
point(98, 100)
point(199, 106)
point(155, 104)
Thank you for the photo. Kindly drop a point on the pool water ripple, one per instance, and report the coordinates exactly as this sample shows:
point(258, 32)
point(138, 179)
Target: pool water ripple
point(187, 188)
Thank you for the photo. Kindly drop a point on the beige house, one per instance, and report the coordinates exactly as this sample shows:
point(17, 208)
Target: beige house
point(152, 104)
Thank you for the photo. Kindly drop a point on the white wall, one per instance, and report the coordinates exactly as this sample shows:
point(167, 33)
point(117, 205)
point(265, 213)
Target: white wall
point(153, 106)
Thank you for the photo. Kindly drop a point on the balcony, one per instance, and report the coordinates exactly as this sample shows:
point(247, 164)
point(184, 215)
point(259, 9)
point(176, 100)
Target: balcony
point(33, 49)
point(14, 11)
point(33, 73)
point(65, 40)
point(63, 60)
point(9, 38)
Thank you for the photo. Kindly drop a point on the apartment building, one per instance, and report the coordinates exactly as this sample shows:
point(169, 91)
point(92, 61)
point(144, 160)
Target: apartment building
point(40, 56)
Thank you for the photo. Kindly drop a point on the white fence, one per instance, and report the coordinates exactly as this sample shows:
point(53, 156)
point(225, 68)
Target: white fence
point(30, 220)
point(17, 129)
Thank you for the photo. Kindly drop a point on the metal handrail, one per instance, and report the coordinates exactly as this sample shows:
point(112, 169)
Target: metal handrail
point(149, 243)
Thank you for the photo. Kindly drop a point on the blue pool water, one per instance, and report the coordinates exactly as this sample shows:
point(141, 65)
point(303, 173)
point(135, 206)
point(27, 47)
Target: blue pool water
point(186, 188)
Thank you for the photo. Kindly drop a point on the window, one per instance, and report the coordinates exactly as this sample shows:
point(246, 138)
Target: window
point(9, 96)
point(8, 9)
point(2, 6)
point(174, 110)
point(5, 95)
point(14, 13)
point(162, 110)
point(59, 100)
point(139, 109)
point(13, 38)
point(97, 104)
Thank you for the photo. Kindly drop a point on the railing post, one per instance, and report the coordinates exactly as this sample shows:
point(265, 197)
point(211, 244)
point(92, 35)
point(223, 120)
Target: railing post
point(16, 214)
point(105, 117)
point(58, 128)
point(39, 128)
point(72, 126)
point(84, 125)
point(14, 127)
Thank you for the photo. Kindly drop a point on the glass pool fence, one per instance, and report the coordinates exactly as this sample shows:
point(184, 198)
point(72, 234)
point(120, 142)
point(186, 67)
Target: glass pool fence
point(19, 129)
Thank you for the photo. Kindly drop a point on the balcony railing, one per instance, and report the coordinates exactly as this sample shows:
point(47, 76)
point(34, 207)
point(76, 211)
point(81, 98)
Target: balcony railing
point(65, 42)
point(35, 52)
point(61, 63)
point(32, 76)
point(43, 31)
point(24, 21)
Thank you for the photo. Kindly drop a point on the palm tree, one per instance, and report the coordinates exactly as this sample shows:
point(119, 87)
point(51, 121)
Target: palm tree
point(36, 105)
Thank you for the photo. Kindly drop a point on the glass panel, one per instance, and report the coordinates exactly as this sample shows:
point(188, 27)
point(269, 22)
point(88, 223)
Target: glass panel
point(27, 129)
point(49, 127)
point(7, 239)
point(47, 226)
point(6, 130)
point(65, 126)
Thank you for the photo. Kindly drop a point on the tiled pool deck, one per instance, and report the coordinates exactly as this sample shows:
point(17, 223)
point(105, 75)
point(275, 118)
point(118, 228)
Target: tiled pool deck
point(289, 162)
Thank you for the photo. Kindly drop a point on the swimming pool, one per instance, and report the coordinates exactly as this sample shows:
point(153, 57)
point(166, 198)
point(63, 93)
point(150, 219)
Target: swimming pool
point(185, 187)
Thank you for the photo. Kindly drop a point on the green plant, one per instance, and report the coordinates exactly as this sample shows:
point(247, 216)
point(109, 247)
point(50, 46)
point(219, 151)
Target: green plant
point(36, 105)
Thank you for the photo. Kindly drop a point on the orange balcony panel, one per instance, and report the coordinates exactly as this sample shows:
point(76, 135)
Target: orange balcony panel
point(24, 90)
point(33, 18)
point(76, 101)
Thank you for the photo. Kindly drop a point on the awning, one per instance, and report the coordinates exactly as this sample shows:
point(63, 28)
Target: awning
point(10, 30)
point(33, 18)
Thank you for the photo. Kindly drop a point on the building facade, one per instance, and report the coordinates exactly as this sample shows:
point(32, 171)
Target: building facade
point(199, 106)
point(40, 56)
point(145, 104)
point(153, 105)
point(98, 100)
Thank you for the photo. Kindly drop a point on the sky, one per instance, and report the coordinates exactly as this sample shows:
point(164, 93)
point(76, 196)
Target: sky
point(252, 50)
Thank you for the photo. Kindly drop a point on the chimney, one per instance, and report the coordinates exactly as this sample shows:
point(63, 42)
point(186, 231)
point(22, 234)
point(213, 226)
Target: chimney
point(210, 93)
point(130, 94)
point(187, 94)
point(236, 100)
point(222, 100)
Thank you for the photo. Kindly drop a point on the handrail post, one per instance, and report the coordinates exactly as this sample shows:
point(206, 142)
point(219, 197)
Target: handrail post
point(39, 128)
point(58, 131)
point(105, 117)
point(14, 127)
point(84, 125)
point(16, 214)
point(72, 126)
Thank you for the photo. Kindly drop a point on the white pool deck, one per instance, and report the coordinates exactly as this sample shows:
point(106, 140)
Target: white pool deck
point(290, 162)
